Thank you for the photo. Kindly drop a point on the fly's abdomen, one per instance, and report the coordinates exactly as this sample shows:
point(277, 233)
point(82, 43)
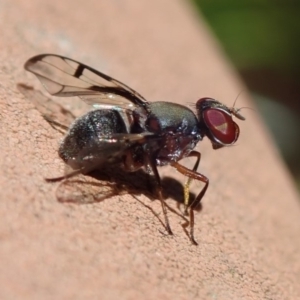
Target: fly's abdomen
point(88, 139)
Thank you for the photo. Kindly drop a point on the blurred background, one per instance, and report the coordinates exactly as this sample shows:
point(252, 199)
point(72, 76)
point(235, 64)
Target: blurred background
point(262, 39)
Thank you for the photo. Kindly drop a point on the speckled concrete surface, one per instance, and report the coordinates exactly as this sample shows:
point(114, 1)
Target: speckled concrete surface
point(248, 229)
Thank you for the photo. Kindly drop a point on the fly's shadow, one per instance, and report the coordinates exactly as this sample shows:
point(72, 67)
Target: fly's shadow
point(112, 181)
point(101, 185)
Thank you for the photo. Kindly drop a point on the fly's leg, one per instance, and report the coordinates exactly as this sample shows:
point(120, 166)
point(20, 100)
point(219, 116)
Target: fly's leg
point(187, 184)
point(192, 223)
point(192, 174)
point(66, 176)
point(160, 194)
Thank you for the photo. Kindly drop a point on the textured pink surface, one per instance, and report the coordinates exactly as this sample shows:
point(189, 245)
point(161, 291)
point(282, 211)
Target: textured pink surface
point(248, 230)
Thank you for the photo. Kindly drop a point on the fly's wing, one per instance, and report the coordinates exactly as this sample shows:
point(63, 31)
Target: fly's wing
point(52, 112)
point(64, 77)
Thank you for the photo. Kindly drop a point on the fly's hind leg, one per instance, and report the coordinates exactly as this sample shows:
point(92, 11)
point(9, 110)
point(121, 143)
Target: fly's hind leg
point(66, 176)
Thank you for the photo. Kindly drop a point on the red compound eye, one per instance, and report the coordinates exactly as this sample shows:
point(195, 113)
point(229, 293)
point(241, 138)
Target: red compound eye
point(221, 126)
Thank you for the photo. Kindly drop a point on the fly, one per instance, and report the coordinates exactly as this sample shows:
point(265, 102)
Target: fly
point(124, 129)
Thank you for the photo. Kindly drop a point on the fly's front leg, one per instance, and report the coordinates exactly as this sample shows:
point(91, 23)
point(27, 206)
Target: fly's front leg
point(187, 184)
point(192, 174)
point(153, 167)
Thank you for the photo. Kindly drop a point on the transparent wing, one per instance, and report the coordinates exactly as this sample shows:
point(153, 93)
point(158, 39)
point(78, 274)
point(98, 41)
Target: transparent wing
point(51, 111)
point(64, 77)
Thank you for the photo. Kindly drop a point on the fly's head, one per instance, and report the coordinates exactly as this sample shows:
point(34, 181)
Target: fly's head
point(215, 121)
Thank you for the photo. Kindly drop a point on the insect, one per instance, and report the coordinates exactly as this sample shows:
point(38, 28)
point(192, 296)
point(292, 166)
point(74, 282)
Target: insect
point(124, 129)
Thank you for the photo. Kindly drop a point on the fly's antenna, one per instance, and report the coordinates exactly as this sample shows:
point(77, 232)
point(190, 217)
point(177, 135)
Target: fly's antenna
point(236, 111)
point(236, 98)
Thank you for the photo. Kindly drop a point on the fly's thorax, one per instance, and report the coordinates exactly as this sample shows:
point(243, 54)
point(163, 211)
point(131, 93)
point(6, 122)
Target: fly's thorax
point(177, 128)
point(171, 117)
